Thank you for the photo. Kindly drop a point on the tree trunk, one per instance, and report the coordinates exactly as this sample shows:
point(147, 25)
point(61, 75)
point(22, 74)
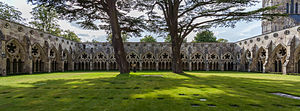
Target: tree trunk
point(117, 42)
point(172, 22)
point(176, 58)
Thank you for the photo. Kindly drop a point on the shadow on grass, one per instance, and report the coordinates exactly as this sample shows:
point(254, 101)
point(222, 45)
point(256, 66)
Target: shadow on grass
point(137, 93)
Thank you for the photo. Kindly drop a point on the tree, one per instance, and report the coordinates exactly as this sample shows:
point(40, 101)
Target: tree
point(180, 17)
point(45, 19)
point(221, 40)
point(148, 38)
point(205, 36)
point(10, 13)
point(88, 13)
point(124, 36)
point(70, 35)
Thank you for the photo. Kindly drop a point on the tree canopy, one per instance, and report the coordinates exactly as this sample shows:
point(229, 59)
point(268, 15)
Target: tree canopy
point(148, 38)
point(205, 36)
point(70, 35)
point(181, 17)
point(46, 19)
point(10, 13)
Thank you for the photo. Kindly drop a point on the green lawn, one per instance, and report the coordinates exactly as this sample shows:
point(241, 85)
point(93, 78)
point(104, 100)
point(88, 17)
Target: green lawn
point(105, 91)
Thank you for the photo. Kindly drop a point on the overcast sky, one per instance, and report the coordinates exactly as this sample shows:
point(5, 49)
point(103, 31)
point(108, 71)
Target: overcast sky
point(241, 31)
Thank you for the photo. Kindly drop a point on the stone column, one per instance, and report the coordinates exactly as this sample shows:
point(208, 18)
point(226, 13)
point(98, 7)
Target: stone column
point(49, 66)
point(30, 65)
point(72, 66)
point(91, 66)
point(190, 66)
point(62, 66)
point(157, 66)
point(141, 66)
point(107, 66)
point(222, 66)
point(207, 66)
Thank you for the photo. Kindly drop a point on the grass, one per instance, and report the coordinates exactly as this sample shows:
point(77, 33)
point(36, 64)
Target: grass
point(105, 91)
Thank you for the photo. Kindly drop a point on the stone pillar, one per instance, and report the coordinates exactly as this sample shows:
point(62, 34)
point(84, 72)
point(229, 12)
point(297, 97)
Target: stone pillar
point(107, 66)
point(157, 66)
point(207, 66)
point(62, 66)
point(190, 66)
point(222, 66)
point(141, 66)
point(287, 60)
point(91, 66)
point(30, 66)
point(49, 66)
point(72, 66)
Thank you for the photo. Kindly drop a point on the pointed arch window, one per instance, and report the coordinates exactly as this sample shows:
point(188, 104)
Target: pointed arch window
point(296, 8)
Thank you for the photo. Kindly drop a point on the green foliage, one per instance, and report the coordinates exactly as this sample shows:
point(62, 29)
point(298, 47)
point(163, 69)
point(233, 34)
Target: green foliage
point(70, 35)
point(95, 15)
point(10, 13)
point(45, 19)
point(148, 38)
point(205, 36)
point(221, 40)
point(124, 36)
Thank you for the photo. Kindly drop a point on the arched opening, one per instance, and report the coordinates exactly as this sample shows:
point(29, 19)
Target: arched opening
point(15, 57)
point(278, 58)
point(198, 62)
point(38, 59)
point(149, 61)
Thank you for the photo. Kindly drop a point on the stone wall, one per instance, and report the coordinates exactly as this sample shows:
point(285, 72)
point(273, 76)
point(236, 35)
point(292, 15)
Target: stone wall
point(26, 50)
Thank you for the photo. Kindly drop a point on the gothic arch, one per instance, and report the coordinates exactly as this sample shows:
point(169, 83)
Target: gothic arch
point(67, 60)
point(198, 63)
point(148, 61)
point(100, 61)
point(55, 60)
point(228, 64)
point(260, 59)
point(164, 62)
point(277, 58)
point(15, 54)
point(39, 58)
point(213, 63)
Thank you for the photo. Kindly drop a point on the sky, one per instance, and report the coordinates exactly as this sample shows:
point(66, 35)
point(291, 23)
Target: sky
point(242, 30)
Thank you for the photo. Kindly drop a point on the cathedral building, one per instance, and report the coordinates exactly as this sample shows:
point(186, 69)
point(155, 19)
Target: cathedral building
point(291, 7)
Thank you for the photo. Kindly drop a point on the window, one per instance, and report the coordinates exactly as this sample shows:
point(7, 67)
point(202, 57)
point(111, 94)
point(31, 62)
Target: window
point(292, 6)
point(287, 7)
point(296, 8)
